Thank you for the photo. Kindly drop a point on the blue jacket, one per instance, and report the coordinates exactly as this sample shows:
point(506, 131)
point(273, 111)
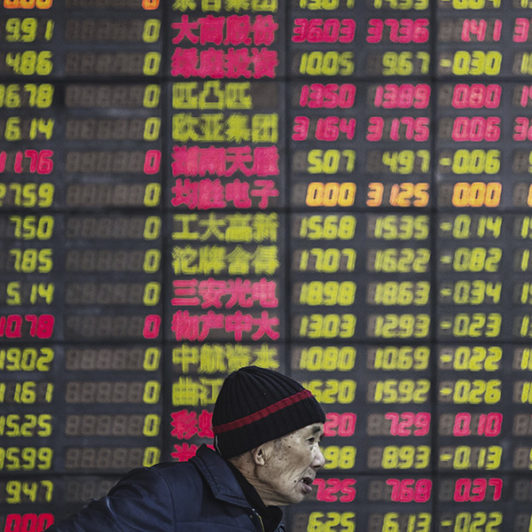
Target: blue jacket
point(201, 495)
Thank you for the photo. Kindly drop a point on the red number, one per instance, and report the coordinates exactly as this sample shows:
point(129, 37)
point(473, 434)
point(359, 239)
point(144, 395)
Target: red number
point(11, 326)
point(329, 128)
point(475, 96)
point(45, 164)
point(152, 161)
point(476, 27)
point(299, 30)
point(28, 522)
point(392, 96)
point(521, 30)
point(467, 490)
point(301, 125)
point(522, 128)
point(329, 30)
point(152, 325)
point(490, 424)
point(347, 31)
point(375, 27)
point(407, 30)
point(422, 423)
point(526, 94)
point(402, 424)
point(340, 424)
point(40, 161)
point(402, 31)
point(476, 128)
point(497, 487)
point(375, 128)
point(409, 489)
point(328, 488)
point(328, 96)
point(421, 32)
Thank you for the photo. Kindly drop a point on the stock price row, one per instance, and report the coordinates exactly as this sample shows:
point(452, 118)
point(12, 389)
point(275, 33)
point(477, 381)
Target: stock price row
point(363, 145)
point(387, 276)
point(338, 189)
point(210, 39)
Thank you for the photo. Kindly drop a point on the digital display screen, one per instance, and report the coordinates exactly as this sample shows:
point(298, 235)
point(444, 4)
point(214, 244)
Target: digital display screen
point(337, 189)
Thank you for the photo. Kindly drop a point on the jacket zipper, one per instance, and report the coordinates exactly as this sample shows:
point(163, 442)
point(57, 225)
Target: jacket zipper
point(259, 518)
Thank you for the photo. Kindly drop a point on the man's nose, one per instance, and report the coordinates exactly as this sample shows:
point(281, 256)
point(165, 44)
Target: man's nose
point(319, 459)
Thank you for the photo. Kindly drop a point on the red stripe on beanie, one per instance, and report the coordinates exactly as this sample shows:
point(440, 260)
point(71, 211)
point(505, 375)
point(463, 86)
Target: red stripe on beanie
point(263, 412)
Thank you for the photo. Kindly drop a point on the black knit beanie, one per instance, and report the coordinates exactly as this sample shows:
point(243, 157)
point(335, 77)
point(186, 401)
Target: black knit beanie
point(256, 405)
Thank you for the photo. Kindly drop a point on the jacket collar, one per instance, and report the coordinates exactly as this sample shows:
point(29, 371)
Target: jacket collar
point(219, 476)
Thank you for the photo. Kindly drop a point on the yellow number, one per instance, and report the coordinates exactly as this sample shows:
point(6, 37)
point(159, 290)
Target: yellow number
point(476, 161)
point(31, 227)
point(477, 391)
point(339, 457)
point(152, 62)
point(477, 324)
point(404, 293)
point(151, 425)
point(399, 358)
point(30, 62)
point(329, 161)
point(333, 391)
point(327, 293)
point(328, 358)
point(477, 358)
point(31, 260)
point(152, 260)
point(152, 127)
point(152, 455)
point(403, 391)
point(330, 194)
point(152, 227)
point(399, 325)
point(10, 96)
point(152, 392)
point(329, 521)
point(477, 63)
point(477, 259)
point(152, 195)
point(152, 27)
point(328, 325)
point(474, 4)
point(152, 94)
point(404, 161)
point(329, 227)
point(152, 292)
point(12, 131)
point(329, 63)
point(405, 457)
point(152, 356)
point(21, 30)
point(401, 4)
point(402, 63)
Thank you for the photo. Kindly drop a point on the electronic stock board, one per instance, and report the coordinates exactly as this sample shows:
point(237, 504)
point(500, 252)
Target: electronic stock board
point(338, 189)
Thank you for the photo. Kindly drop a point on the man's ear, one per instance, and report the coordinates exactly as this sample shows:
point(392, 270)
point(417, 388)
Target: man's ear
point(261, 453)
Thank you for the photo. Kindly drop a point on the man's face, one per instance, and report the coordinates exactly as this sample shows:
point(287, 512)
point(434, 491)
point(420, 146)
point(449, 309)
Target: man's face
point(291, 466)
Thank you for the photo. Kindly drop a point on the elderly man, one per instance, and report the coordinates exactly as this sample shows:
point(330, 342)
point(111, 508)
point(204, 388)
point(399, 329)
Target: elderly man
point(267, 432)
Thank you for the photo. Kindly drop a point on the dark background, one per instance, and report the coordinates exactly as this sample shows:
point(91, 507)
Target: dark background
point(340, 190)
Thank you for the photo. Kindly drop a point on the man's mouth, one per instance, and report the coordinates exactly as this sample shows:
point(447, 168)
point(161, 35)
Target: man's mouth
point(307, 484)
